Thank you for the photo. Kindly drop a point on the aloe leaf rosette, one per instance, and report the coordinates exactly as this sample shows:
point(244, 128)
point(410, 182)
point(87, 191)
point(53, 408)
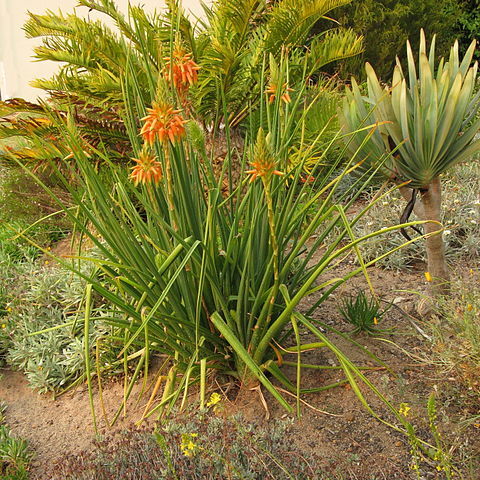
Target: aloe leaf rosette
point(427, 121)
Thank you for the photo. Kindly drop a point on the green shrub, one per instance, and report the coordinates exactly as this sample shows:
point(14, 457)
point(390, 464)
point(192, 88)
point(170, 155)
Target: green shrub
point(467, 26)
point(456, 334)
point(202, 276)
point(25, 202)
point(14, 453)
point(388, 24)
point(47, 297)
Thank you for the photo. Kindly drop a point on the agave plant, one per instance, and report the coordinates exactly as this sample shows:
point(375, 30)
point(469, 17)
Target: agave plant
point(427, 121)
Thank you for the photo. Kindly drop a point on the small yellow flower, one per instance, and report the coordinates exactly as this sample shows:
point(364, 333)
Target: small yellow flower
point(469, 307)
point(188, 447)
point(9, 309)
point(375, 320)
point(214, 399)
point(404, 409)
point(46, 262)
point(4, 325)
point(428, 277)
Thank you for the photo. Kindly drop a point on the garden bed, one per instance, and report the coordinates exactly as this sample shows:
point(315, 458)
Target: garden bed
point(335, 434)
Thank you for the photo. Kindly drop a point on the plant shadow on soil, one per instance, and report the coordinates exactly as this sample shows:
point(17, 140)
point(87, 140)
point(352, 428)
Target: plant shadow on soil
point(345, 441)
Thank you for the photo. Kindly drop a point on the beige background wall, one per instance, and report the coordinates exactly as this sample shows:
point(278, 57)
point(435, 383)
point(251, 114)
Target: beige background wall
point(17, 67)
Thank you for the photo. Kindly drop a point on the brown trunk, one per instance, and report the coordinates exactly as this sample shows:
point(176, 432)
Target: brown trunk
point(431, 199)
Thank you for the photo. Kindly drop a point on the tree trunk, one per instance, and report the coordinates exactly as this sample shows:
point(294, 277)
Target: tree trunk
point(437, 265)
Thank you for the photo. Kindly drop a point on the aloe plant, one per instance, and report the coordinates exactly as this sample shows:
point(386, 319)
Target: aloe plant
point(426, 121)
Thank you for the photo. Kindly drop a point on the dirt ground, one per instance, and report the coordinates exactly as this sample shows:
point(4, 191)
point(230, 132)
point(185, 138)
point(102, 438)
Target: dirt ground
point(334, 427)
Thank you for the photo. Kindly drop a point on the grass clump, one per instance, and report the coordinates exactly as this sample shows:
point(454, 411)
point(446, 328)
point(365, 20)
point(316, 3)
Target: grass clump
point(456, 334)
point(363, 312)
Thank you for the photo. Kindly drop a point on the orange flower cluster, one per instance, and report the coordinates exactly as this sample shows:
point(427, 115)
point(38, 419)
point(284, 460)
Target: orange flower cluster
point(273, 91)
point(263, 162)
point(181, 69)
point(264, 169)
point(162, 122)
point(307, 178)
point(147, 170)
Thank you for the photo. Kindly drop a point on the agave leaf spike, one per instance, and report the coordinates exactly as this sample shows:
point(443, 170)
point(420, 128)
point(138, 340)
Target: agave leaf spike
point(412, 71)
point(467, 59)
point(423, 43)
point(431, 55)
point(440, 69)
point(432, 121)
point(426, 81)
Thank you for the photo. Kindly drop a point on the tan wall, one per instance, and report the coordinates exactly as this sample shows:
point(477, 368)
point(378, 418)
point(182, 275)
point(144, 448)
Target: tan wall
point(17, 67)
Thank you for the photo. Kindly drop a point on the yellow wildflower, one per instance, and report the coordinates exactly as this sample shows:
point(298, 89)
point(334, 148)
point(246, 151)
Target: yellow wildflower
point(214, 399)
point(188, 446)
point(404, 409)
point(428, 277)
point(469, 307)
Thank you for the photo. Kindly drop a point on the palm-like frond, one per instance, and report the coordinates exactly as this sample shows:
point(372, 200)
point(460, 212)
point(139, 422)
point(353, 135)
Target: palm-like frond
point(230, 47)
point(290, 21)
point(335, 45)
point(43, 143)
point(240, 33)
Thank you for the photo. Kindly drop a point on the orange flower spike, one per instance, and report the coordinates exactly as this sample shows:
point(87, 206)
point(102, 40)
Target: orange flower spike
point(272, 90)
point(147, 170)
point(263, 168)
point(285, 92)
point(286, 95)
point(264, 162)
point(181, 68)
point(163, 122)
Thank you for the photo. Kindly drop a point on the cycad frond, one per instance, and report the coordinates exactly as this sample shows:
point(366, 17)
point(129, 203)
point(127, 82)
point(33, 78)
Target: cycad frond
point(335, 45)
point(290, 21)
